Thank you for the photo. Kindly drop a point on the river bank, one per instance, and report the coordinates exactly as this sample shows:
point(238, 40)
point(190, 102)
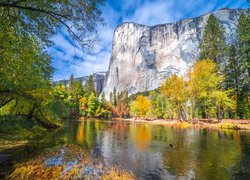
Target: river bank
point(201, 123)
point(96, 148)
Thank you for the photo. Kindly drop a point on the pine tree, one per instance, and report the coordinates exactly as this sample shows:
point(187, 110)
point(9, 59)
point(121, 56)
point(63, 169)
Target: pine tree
point(103, 98)
point(79, 89)
point(90, 87)
point(71, 83)
point(243, 41)
point(243, 48)
point(115, 97)
point(111, 98)
point(212, 44)
point(233, 76)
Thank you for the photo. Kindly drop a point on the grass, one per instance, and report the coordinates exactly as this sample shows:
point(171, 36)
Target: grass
point(73, 163)
point(18, 130)
point(182, 125)
point(229, 125)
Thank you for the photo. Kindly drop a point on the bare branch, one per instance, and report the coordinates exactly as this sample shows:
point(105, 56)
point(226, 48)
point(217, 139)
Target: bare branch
point(15, 5)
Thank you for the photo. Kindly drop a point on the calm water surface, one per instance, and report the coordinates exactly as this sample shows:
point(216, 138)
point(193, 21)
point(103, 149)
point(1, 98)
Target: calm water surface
point(145, 149)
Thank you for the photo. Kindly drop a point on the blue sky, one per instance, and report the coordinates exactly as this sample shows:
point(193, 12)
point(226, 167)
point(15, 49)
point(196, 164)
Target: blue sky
point(68, 57)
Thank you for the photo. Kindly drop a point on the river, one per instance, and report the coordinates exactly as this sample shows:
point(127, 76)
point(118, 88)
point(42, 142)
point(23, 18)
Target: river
point(153, 151)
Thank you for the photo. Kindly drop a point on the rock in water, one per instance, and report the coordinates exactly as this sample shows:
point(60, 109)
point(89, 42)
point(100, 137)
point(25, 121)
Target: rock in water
point(143, 56)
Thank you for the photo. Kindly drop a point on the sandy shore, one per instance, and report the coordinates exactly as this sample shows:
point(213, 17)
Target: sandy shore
point(202, 123)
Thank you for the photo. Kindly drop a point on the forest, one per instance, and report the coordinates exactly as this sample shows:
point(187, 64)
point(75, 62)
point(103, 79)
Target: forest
point(59, 130)
point(217, 86)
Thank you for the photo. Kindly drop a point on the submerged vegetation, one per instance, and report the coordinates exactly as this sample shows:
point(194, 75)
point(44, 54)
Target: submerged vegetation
point(68, 162)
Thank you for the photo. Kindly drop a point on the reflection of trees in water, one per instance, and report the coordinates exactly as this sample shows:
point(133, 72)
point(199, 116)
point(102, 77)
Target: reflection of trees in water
point(178, 159)
point(140, 134)
point(219, 155)
point(80, 133)
point(144, 148)
point(213, 154)
point(86, 133)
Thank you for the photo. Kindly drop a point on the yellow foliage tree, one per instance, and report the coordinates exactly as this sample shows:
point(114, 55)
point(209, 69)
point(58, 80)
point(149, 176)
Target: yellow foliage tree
point(205, 89)
point(175, 90)
point(83, 103)
point(143, 106)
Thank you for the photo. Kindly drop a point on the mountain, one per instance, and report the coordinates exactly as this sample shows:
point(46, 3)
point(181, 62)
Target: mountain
point(143, 56)
point(98, 79)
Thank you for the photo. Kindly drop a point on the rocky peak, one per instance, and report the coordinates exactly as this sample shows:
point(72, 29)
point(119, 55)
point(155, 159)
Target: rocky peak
point(143, 56)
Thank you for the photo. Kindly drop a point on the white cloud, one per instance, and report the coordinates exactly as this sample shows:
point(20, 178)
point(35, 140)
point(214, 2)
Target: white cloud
point(68, 57)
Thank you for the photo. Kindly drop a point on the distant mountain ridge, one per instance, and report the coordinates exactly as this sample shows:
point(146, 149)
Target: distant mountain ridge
point(98, 79)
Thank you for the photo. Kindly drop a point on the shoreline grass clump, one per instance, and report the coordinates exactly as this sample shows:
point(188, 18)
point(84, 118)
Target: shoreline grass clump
point(68, 162)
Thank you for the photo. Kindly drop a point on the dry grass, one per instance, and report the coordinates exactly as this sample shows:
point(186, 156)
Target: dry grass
point(182, 125)
point(76, 164)
point(118, 175)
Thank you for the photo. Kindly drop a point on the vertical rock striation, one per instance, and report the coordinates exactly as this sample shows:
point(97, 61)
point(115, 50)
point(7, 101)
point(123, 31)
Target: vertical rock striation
point(143, 56)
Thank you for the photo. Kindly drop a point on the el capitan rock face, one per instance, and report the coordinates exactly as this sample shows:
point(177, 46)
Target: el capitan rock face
point(143, 56)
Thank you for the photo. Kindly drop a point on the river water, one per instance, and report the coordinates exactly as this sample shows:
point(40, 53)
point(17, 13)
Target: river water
point(154, 151)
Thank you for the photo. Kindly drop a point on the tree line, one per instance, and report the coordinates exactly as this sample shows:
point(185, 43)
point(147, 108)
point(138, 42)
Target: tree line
point(26, 28)
point(216, 86)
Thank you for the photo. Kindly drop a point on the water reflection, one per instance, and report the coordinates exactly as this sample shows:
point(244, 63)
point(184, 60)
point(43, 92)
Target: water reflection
point(145, 150)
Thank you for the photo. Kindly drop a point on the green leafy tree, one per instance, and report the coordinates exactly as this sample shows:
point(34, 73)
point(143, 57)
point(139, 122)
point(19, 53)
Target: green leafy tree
point(212, 43)
point(92, 105)
point(158, 105)
point(25, 74)
point(58, 102)
point(205, 90)
point(42, 18)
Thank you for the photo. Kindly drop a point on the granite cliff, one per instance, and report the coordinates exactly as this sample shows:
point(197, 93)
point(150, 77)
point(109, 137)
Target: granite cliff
point(143, 56)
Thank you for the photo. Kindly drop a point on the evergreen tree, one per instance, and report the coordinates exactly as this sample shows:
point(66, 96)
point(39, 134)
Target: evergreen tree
point(212, 44)
point(79, 89)
point(243, 42)
point(111, 98)
point(115, 97)
point(233, 76)
point(71, 83)
point(103, 98)
point(243, 48)
point(90, 87)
